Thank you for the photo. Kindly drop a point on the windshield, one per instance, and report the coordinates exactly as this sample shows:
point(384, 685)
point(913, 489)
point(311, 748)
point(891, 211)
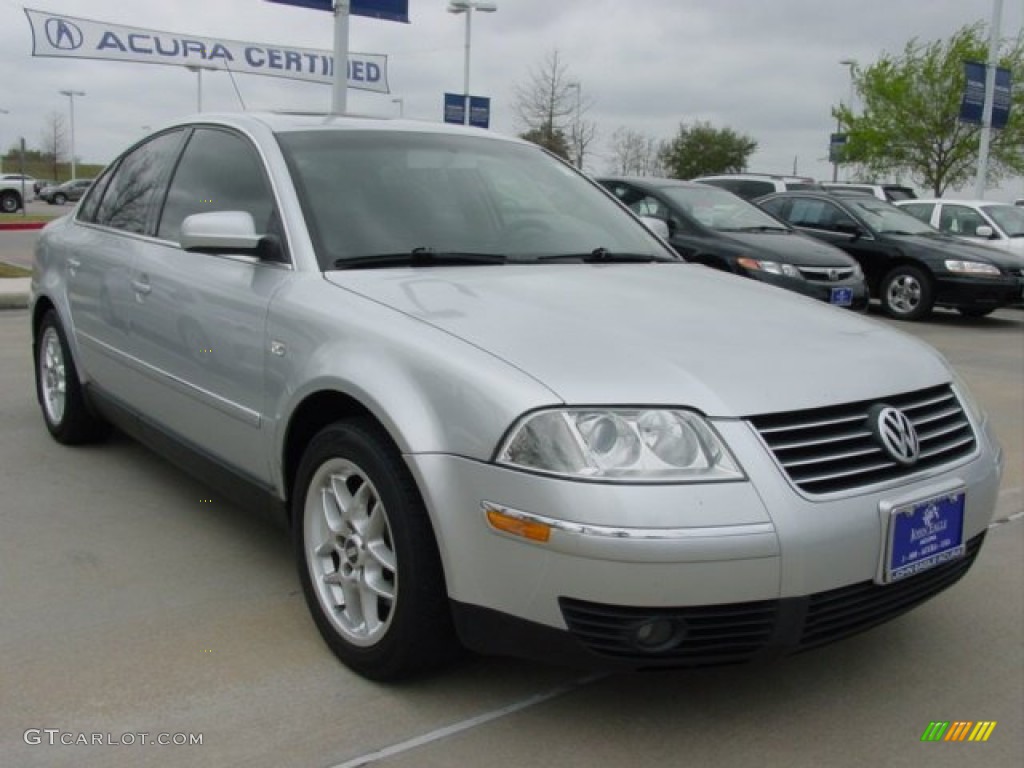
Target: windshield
point(382, 193)
point(721, 210)
point(1010, 218)
point(887, 219)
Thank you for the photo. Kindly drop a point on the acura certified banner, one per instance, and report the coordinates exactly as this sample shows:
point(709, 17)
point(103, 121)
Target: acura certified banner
point(71, 37)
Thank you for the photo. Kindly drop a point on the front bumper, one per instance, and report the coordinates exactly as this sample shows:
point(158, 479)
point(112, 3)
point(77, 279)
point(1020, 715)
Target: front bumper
point(758, 552)
point(976, 292)
point(815, 290)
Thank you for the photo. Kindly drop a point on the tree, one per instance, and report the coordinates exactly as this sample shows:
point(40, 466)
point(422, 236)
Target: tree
point(53, 139)
point(702, 149)
point(909, 119)
point(635, 154)
point(545, 105)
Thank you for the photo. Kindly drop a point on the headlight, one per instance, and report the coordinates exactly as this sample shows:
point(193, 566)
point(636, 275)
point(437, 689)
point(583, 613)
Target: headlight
point(774, 267)
point(972, 268)
point(622, 445)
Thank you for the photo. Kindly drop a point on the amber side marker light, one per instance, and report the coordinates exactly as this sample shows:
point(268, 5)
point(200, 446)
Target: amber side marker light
point(528, 529)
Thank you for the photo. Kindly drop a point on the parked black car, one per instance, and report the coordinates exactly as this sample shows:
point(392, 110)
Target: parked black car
point(709, 225)
point(910, 266)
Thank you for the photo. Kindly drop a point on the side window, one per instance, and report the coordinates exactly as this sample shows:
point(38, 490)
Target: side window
point(922, 211)
point(219, 171)
point(960, 220)
point(751, 189)
point(136, 185)
point(91, 203)
point(810, 213)
point(778, 207)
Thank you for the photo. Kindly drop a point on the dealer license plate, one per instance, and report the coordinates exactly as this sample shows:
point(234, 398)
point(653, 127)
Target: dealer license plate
point(841, 297)
point(925, 534)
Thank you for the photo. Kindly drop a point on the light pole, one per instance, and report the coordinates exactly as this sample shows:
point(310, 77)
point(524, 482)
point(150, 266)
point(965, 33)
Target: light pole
point(852, 64)
point(199, 83)
point(467, 7)
point(2, 112)
point(71, 99)
point(577, 127)
point(401, 105)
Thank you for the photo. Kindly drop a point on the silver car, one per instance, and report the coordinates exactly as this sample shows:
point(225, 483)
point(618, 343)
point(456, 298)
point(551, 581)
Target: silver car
point(496, 411)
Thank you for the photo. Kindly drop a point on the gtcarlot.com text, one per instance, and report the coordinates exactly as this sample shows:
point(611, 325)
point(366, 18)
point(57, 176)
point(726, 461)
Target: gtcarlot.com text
point(57, 737)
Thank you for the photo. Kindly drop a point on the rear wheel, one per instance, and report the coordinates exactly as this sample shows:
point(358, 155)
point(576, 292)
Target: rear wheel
point(368, 561)
point(60, 198)
point(9, 202)
point(65, 410)
point(907, 293)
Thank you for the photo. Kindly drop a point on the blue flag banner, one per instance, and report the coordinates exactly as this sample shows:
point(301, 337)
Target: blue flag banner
point(391, 10)
point(972, 107)
point(455, 108)
point(479, 110)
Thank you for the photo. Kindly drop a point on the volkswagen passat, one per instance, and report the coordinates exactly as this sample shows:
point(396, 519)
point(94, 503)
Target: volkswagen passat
point(494, 408)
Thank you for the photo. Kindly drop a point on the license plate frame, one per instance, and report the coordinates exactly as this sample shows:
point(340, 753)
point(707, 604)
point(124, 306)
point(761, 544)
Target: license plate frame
point(924, 534)
point(841, 296)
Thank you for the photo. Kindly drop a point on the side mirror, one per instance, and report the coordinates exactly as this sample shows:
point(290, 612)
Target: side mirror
point(657, 226)
point(849, 228)
point(227, 232)
point(985, 231)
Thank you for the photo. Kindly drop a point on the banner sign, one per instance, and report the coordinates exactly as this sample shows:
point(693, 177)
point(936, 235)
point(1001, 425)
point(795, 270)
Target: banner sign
point(479, 110)
point(391, 10)
point(59, 36)
point(972, 106)
point(837, 147)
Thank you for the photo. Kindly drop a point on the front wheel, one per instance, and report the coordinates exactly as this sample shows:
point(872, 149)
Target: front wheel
point(60, 199)
point(368, 560)
point(9, 202)
point(907, 293)
point(65, 410)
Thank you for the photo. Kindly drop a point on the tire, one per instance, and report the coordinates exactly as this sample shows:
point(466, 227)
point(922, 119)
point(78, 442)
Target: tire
point(367, 557)
point(9, 202)
point(907, 293)
point(974, 311)
point(66, 412)
point(59, 199)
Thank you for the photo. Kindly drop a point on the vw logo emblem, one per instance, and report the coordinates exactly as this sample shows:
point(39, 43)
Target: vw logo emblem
point(896, 433)
point(63, 35)
point(833, 275)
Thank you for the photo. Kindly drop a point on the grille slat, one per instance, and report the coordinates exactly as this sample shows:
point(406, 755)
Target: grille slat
point(820, 453)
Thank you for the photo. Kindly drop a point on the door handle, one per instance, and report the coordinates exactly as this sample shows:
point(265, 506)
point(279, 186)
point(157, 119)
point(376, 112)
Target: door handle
point(142, 286)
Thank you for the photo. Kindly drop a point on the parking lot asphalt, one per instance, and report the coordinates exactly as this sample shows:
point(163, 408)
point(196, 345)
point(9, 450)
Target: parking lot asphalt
point(136, 601)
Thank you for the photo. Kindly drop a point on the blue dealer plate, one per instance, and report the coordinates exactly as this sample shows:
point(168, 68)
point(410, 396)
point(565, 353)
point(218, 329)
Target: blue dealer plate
point(925, 534)
point(841, 297)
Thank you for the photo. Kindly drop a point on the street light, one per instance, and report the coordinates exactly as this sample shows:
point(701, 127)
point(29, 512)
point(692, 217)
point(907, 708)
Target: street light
point(467, 7)
point(199, 83)
point(71, 99)
point(577, 126)
point(401, 105)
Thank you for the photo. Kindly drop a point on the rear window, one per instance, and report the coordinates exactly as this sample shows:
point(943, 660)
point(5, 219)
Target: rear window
point(900, 193)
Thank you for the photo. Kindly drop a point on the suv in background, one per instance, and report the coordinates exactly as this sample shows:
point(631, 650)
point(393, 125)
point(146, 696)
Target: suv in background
point(888, 192)
point(69, 190)
point(753, 185)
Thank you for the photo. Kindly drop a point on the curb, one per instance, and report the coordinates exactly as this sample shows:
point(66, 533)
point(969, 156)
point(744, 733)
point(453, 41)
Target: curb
point(14, 292)
point(18, 225)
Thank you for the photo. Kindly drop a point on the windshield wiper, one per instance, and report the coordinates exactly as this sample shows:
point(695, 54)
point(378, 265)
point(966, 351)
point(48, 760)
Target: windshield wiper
point(419, 257)
point(760, 228)
point(603, 255)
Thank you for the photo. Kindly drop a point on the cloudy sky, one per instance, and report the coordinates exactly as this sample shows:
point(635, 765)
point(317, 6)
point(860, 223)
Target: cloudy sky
point(768, 68)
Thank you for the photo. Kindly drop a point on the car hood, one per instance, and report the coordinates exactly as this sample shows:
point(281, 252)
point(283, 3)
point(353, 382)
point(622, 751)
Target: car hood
point(791, 248)
point(955, 248)
point(658, 334)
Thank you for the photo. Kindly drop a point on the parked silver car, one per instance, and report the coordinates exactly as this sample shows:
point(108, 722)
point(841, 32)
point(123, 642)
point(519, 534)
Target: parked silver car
point(496, 410)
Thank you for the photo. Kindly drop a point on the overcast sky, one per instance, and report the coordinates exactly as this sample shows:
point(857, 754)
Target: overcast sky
point(768, 68)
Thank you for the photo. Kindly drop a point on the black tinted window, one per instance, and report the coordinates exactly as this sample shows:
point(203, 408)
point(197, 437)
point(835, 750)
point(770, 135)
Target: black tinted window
point(219, 171)
point(751, 189)
point(136, 184)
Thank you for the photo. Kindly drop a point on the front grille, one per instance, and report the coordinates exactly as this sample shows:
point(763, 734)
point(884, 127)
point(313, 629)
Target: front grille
point(706, 635)
point(824, 450)
point(735, 633)
point(842, 612)
point(826, 274)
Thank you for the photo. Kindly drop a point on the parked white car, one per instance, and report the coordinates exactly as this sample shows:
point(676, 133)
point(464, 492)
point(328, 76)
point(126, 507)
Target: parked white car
point(999, 225)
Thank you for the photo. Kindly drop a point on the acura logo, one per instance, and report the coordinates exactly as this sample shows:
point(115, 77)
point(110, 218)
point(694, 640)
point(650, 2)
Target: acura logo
point(896, 433)
point(63, 35)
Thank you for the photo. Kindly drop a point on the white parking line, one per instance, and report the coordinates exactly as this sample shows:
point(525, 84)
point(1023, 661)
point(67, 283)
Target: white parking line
point(1012, 518)
point(465, 725)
